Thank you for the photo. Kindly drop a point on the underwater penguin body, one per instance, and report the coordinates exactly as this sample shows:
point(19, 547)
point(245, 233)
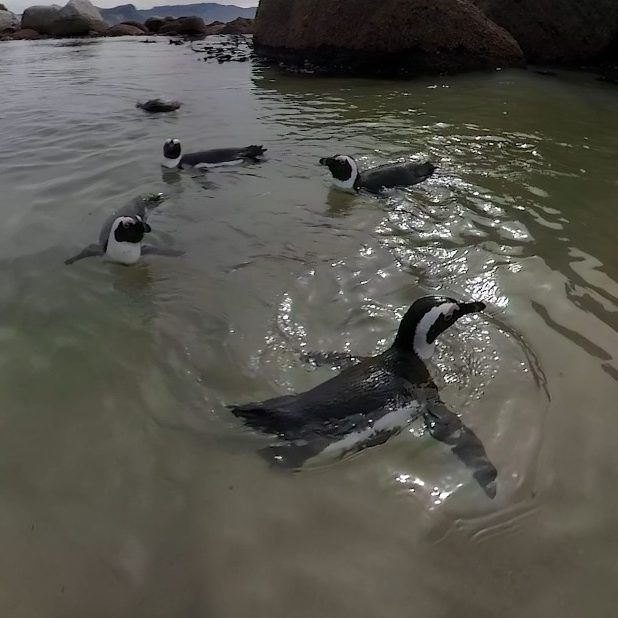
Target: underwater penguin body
point(374, 399)
point(348, 177)
point(173, 157)
point(121, 236)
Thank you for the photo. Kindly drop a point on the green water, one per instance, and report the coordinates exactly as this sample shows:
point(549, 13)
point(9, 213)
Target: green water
point(128, 489)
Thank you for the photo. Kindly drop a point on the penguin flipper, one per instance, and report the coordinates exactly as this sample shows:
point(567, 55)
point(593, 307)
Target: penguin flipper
point(340, 360)
point(445, 426)
point(90, 251)
point(150, 250)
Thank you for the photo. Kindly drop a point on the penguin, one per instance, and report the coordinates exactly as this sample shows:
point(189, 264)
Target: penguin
point(348, 177)
point(173, 157)
point(157, 106)
point(120, 238)
point(373, 399)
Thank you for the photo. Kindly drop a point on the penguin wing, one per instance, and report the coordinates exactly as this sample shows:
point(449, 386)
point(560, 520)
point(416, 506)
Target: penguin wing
point(357, 395)
point(90, 251)
point(445, 426)
point(394, 175)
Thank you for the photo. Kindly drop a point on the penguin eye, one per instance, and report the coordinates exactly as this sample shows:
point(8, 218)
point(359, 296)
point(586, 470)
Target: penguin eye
point(126, 224)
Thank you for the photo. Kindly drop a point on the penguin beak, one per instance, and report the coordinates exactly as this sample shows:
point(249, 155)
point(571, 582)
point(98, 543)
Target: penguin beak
point(473, 307)
point(147, 228)
point(325, 160)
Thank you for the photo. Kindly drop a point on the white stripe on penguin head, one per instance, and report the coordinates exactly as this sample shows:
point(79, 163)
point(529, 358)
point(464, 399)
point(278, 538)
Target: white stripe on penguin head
point(422, 347)
point(347, 185)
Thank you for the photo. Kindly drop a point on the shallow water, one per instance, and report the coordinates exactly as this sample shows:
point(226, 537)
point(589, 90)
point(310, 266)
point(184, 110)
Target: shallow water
point(130, 490)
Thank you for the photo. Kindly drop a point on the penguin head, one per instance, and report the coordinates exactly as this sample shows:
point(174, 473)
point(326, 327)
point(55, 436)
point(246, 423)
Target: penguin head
point(171, 149)
point(427, 318)
point(130, 229)
point(344, 170)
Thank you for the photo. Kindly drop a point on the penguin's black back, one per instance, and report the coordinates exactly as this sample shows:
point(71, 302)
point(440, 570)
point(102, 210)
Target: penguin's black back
point(221, 155)
point(358, 395)
point(394, 175)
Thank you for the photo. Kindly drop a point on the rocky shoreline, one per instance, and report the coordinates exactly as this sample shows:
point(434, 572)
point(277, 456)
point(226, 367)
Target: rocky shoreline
point(403, 38)
point(80, 18)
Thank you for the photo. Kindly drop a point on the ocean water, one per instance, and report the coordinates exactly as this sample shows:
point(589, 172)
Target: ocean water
point(128, 488)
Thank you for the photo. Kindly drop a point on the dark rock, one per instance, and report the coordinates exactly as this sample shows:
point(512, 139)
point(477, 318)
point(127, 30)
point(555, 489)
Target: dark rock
point(154, 24)
point(390, 37)
point(123, 30)
point(565, 32)
point(40, 18)
point(238, 26)
point(25, 35)
point(184, 25)
point(135, 24)
point(2, 7)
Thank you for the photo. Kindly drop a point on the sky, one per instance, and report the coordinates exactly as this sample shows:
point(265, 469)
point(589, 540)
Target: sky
point(17, 6)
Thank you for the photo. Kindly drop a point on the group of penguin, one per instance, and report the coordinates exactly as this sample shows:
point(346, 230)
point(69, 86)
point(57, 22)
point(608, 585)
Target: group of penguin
point(371, 399)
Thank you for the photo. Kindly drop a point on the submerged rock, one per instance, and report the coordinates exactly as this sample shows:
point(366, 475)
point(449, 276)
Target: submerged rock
point(565, 32)
point(390, 37)
point(155, 106)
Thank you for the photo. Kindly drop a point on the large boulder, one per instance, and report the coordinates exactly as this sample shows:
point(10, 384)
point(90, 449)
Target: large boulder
point(8, 21)
point(569, 31)
point(184, 25)
point(154, 24)
point(123, 30)
point(393, 37)
point(135, 24)
point(40, 18)
point(239, 26)
point(78, 17)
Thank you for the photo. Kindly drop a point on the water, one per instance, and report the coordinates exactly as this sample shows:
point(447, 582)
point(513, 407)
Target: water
point(128, 489)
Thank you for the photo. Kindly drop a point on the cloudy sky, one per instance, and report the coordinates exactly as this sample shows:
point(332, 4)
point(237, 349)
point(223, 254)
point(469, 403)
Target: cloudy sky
point(18, 6)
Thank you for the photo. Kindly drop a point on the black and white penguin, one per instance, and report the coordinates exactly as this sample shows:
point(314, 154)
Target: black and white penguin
point(374, 399)
point(173, 157)
point(348, 177)
point(159, 106)
point(120, 238)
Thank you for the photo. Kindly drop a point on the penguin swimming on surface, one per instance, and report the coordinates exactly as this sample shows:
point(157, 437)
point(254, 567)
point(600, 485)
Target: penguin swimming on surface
point(173, 157)
point(348, 177)
point(157, 106)
point(374, 399)
point(120, 239)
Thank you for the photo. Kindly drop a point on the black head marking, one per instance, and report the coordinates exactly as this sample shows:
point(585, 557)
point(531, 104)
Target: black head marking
point(172, 149)
point(340, 167)
point(131, 229)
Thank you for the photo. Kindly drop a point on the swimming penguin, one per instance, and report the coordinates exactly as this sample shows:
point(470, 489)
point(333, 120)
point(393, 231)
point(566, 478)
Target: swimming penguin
point(157, 106)
point(348, 177)
point(374, 399)
point(120, 239)
point(173, 157)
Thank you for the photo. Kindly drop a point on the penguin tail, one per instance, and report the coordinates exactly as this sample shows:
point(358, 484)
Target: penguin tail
point(288, 456)
point(254, 152)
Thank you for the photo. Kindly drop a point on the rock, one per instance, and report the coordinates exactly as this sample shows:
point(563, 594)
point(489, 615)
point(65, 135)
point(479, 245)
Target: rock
point(40, 18)
point(157, 106)
point(25, 35)
point(78, 17)
point(390, 37)
point(184, 25)
point(135, 24)
point(565, 32)
point(2, 7)
point(120, 14)
point(215, 28)
point(123, 30)
point(154, 24)
point(8, 21)
point(238, 26)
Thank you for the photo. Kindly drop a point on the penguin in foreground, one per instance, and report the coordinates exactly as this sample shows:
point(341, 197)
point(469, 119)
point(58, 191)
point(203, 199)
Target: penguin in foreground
point(173, 157)
point(120, 239)
point(348, 177)
point(374, 399)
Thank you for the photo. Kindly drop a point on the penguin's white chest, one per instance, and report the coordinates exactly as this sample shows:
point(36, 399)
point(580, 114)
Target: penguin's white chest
point(123, 252)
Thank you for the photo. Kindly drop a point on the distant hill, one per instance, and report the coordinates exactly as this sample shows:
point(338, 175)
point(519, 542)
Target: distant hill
point(209, 11)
